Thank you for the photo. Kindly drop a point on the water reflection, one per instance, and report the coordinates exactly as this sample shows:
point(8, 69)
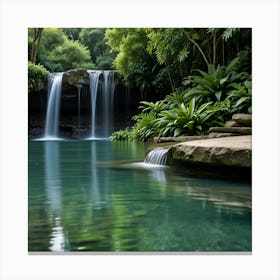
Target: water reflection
point(157, 172)
point(96, 201)
point(99, 176)
point(95, 195)
point(53, 190)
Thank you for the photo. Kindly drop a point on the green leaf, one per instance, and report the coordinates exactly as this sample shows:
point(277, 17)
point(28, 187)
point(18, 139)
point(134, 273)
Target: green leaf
point(222, 81)
point(177, 132)
point(248, 84)
point(241, 100)
point(218, 95)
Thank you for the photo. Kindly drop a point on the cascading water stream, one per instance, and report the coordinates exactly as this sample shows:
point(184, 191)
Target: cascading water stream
point(104, 128)
point(155, 162)
point(101, 97)
point(157, 156)
point(52, 117)
point(108, 102)
point(93, 86)
point(79, 109)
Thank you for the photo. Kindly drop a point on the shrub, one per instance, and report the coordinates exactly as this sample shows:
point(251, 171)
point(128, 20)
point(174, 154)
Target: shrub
point(37, 77)
point(121, 135)
point(145, 128)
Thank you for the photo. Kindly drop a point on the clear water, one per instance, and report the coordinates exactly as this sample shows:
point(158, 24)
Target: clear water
point(98, 196)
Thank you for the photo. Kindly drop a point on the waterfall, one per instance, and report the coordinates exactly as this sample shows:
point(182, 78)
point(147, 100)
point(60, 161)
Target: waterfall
point(93, 86)
point(79, 109)
point(103, 127)
point(52, 117)
point(108, 102)
point(157, 156)
point(102, 104)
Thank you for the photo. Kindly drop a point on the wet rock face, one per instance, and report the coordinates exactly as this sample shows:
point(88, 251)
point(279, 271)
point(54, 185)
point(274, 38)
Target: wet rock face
point(76, 77)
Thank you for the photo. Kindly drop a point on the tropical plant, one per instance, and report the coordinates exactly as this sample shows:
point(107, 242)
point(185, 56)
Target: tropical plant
point(221, 111)
point(153, 107)
point(187, 120)
point(175, 98)
point(145, 128)
point(241, 97)
point(215, 84)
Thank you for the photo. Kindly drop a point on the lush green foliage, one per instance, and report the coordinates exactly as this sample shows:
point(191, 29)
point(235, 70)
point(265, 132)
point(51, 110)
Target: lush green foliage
point(241, 97)
point(134, 63)
point(205, 100)
point(37, 77)
point(153, 58)
point(61, 49)
point(196, 77)
point(100, 53)
point(70, 55)
point(214, 85)
point(183, 119)
point(122, 135)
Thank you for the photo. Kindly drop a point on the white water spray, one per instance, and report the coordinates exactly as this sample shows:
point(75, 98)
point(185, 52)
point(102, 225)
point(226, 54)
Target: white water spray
point(157, 156)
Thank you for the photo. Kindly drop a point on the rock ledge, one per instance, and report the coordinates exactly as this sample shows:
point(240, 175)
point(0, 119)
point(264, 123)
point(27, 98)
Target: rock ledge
point(235, 151)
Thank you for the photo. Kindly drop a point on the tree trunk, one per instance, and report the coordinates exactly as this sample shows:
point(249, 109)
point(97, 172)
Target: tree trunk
point(170, 78)
point(214, 49)
point(36, 43)
point(198, 47)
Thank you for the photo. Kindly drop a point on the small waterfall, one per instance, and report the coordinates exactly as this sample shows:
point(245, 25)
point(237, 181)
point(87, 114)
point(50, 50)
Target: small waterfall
point(106, 102)
point(157, 156)
point(52, 117)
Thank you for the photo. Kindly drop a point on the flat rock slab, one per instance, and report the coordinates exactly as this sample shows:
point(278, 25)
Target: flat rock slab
point(232, 151)
point(178, 138)
point(239, 142)
point(236, 130)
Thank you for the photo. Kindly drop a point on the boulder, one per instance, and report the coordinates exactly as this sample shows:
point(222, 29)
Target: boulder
point(76, 77)
point(243, 119)
point(235, 151)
